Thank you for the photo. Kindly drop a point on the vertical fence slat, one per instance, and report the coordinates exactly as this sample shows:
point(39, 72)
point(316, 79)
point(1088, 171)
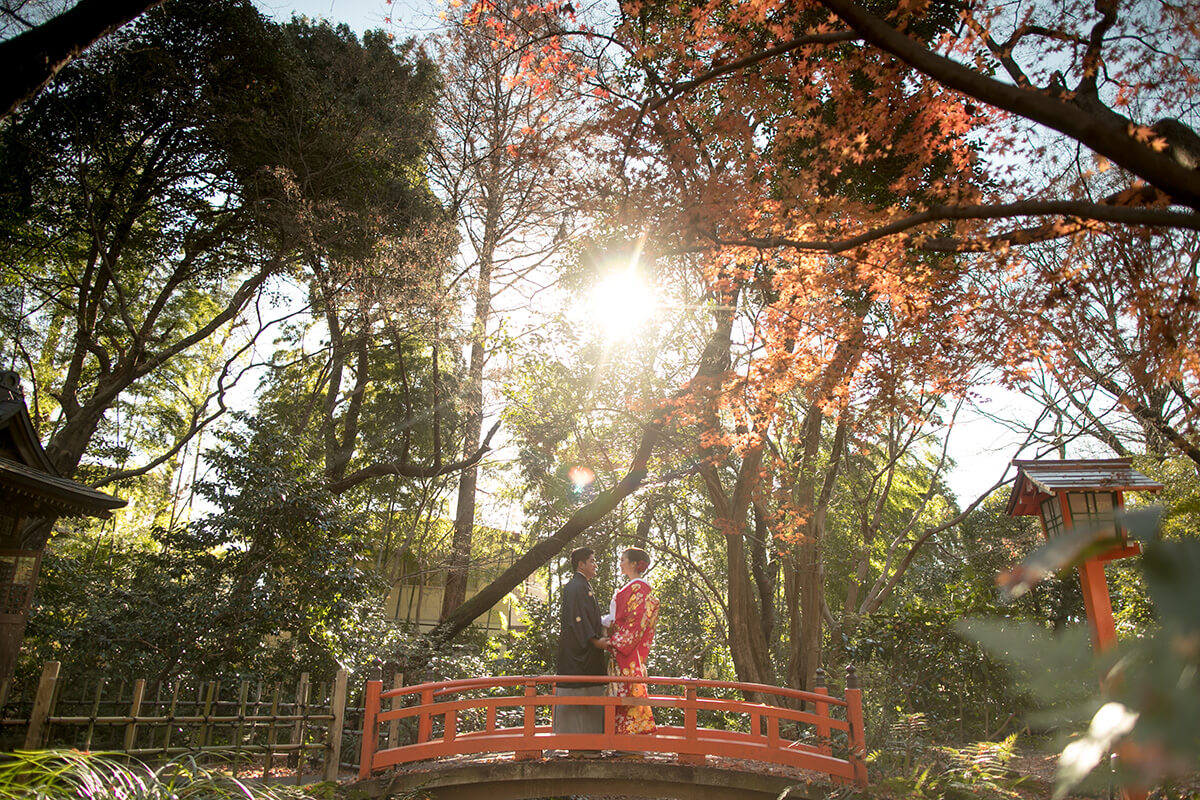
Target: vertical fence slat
point(690, 733)
point(210, 700)
point(91, 729)
point(530, 723)
point(243, 690)
point(171, 717)
point(41, 705)
point(425, 718)
point(135, 708)
point(333, 750)
point(272, 730)
point(300, 732)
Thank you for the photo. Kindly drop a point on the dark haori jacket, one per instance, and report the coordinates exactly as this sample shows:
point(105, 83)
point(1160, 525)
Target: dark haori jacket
point(579, 623)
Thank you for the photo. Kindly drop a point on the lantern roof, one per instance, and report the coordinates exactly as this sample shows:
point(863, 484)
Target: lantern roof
point(1037, 480)
point(30, 486)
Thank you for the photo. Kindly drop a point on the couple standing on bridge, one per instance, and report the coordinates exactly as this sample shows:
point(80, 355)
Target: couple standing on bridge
point(626, 631)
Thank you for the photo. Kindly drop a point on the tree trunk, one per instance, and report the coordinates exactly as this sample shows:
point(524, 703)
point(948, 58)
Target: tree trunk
point(747, 644)
point(464, 517)
point(547, 548)
point(764, 580)
point(452, 624)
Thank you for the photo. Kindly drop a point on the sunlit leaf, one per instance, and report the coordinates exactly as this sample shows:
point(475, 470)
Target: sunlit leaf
point(1110, 723)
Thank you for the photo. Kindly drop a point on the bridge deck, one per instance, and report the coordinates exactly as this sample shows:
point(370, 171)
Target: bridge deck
point(657, 777)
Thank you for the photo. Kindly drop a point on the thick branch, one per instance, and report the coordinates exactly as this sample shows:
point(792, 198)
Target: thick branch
point(678, 89)
point(1094, 125)
point(36, 56)
point(883, 587)
point(1143, 412)
point(1072, 211)
point(547, 548)
point(407, 469)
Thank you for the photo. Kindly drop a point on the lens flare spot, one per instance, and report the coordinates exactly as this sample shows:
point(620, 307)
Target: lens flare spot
point(580, 477)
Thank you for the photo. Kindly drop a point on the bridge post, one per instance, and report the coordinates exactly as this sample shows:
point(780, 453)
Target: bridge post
point(425, 720)
point(854, 716)
point(370, 728)
point(530, 729)
point(689, 726)
point(822, 709)
point(773, 741)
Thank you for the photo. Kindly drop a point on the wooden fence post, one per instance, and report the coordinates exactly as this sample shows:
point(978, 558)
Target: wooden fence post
point(243, 695)
point(41, 706)
point(271, 736)
point(854, 715)
point(87, 742)
point(298, 731)
point(333, 749)
point(210, 699)
point(171, 717)
point(135, 708)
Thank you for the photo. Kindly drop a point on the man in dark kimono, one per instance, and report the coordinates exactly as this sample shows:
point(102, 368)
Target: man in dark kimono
point(581, 646)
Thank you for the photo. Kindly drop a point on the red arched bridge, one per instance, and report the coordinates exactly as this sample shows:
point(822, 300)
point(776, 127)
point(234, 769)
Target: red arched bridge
point(491, 738)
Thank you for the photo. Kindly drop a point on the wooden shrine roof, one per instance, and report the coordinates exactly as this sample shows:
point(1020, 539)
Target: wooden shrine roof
point(30, 486)
point(1039, 479)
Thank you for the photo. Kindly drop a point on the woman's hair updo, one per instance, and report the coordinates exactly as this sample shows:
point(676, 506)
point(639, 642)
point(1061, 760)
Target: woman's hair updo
point(638, 557)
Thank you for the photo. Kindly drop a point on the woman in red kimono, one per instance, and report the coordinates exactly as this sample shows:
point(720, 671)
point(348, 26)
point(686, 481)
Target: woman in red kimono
point(631, 618)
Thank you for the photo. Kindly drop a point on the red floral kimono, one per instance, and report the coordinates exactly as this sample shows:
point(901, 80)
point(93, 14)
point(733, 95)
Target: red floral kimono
point(634, 611)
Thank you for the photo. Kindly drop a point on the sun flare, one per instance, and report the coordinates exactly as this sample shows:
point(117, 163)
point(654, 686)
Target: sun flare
point(622, 303)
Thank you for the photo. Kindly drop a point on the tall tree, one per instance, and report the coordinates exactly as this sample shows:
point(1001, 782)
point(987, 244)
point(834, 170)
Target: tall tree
point(133, 234)
point(155, 190)
point(498, 165)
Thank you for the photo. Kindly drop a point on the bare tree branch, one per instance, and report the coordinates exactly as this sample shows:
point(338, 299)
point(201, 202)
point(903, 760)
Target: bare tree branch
point(409, 470)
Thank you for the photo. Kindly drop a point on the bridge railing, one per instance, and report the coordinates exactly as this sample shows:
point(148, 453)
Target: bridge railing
point(806, 730)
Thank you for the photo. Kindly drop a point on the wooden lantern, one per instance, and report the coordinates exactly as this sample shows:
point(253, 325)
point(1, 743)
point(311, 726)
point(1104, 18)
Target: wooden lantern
point(1082, 493)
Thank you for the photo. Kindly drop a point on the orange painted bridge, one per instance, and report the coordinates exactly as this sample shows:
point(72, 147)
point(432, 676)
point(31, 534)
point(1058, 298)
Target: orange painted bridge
point(490, 738)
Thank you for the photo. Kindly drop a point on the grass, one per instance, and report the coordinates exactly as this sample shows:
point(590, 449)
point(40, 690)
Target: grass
point(79, 775)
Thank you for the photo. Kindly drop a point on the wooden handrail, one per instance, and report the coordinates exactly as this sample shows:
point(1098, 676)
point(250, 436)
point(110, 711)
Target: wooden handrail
point(443, 687)
point(773, 737)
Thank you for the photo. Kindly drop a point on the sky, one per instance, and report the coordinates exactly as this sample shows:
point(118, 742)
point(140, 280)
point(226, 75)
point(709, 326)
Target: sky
point(402, 17)
point(981, 448)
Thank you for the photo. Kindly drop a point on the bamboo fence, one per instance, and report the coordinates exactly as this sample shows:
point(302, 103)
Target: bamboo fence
point(256, 725)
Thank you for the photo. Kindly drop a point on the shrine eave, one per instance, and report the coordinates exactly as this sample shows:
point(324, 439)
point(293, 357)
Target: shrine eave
point(28, 492)
point(1037, 480)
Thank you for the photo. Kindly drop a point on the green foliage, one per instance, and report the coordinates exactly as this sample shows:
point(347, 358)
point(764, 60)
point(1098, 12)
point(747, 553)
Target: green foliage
point(167, 178)
point(55, 774)
point(271, 583)
point(909, 767)
point(531, 649)
point(912, 659)
point(912, 662)
point(1148, 708)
